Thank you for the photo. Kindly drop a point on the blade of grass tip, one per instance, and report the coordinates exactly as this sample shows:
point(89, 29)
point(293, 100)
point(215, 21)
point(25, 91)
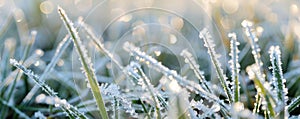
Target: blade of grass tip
point(235, 66)
point(195, 67)
point(85, 62)
point(278, 80)
point(249, 31)
point(261, 88)
point(20, 113)
point(63, 104)
point(62, 46)
point(294, 104)
point(148, 85)
point(171, 74)
point(209, 44)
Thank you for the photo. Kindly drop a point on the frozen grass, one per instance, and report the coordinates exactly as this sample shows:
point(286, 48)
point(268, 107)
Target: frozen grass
point(166, 93)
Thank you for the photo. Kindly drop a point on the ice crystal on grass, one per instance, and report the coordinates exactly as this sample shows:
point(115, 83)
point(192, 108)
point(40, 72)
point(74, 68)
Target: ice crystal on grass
point(86, 63)
point(249, 31)
point(113, 91)
point(209, 44)
point(204, 110)
point(278, 80)
point(235, 66)
point(144, 81)
point(66, 107)
point(263, 90)
point(172, 75)
point(195, 67)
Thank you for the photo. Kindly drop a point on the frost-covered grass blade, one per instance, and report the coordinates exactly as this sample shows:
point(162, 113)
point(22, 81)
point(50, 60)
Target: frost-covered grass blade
point(85, 62)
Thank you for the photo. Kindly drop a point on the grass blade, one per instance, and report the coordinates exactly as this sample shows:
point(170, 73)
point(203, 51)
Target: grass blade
point(145, 81)
point(21, 114)
point(294, 104)
point(208, 43)
point(59, 51)
point(235, 66)
point(65, 106)
point(262, 89)
point(278, 79)
point(85, 62)
point(195, 67)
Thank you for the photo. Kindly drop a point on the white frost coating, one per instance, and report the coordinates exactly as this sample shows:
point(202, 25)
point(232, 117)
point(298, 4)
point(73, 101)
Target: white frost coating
point(206, 110)
point(209, 44)
point(61, 103)
point(249, 31)
point(278, 80)
point(112, 90)
point(234, 65)
point(170, 74)
point(188, 58)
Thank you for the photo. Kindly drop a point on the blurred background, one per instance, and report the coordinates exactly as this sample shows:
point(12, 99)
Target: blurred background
point(162, 28)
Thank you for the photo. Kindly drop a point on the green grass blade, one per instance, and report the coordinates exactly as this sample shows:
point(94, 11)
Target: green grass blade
point(86, 63)
point(262, 89)
point(294, 104)
point(21, 114)
point(278, 80)
point(235, 66)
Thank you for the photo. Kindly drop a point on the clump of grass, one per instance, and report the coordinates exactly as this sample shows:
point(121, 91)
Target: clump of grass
point(176, 95)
